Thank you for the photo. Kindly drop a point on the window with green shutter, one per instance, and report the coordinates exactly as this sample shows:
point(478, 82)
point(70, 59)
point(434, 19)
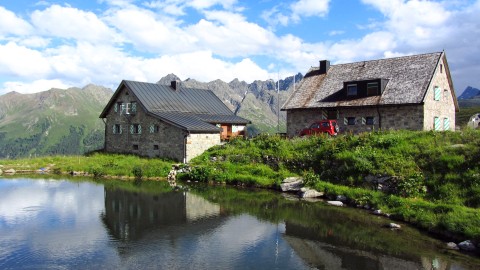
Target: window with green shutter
point(436, 123)
point(134, 107)
point(437, 93)
point(446, 123)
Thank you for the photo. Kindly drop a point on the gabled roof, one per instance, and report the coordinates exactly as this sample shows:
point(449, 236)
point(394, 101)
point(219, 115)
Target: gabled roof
point(408, 80)
point(195, 110)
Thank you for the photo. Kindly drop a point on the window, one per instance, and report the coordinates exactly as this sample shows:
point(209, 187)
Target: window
point(154, 128)
point(370, 121)
point(135, 129)
point(436, 93)
point(315, 125)
point(117, 129)
point(372, 89)
point(350, 121)
point(446, 123)
point(135, 147)
point(351, 90)
point(127, 108)
point(436, 123)
point(441, 68)
point(155, 147)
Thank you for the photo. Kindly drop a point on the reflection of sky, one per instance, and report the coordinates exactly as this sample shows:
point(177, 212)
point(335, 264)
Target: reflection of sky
point(50, 222)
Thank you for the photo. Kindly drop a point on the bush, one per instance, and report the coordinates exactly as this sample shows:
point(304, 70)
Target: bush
point(137, 172)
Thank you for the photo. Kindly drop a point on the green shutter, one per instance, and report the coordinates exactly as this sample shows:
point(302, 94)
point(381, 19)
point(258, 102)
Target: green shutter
point(437, 93)
point(446, 123)
point(132, 129)
point(139, 129)
point(345, 121)
point(324, 115)
point(152, 128)
point(364, 121)
point(134, 107)
point(120, 127)
point(114, 129)
point(115, 107)
point(436, 124)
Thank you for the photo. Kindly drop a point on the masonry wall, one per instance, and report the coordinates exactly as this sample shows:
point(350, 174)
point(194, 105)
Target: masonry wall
point(198, 143)
point(154, 139)
point(444, 107)
point(355, 120)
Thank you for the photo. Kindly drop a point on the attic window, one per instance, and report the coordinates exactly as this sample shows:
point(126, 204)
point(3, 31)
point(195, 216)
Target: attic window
point(441, 68)
point(372, 89)
point(351, 89)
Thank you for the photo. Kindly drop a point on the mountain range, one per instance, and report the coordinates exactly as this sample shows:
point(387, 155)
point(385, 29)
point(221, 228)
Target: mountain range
point(65, 121)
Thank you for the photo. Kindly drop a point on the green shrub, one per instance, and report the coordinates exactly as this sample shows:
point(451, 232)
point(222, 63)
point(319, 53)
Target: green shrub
point(137, 172)
point(200, 174)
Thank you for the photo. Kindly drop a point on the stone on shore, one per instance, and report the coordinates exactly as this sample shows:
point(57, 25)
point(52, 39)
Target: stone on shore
point(452, 245)
point(309, 193)
point(377, 212)
point(10, 171)
point(335, 203)
point(394, 226)
point(292, 184)
point(467, 245)
point(341, 198)
point(1, 171)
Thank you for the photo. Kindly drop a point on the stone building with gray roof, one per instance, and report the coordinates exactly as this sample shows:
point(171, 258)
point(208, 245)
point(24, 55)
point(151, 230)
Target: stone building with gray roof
point(167, 121)
point(412, 92)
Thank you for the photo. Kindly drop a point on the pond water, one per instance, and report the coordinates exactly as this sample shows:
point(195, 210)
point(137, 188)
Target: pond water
point(85, 224)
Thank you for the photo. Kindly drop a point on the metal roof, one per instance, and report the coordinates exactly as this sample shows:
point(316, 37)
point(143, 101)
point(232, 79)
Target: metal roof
point(195, 110)
point(408, 80)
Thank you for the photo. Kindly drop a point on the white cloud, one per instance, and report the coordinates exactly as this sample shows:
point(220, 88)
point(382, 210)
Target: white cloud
point(21, 61)
point(33, 86)
point(71, 23)
point(308, 8)
point(12, 24)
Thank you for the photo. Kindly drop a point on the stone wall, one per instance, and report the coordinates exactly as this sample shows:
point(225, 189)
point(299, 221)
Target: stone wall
point(444, 108)
point(198, 143)
point(153, 138)
point(390, 117)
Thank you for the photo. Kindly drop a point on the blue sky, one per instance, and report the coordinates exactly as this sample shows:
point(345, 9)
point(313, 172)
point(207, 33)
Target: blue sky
point(45, 44)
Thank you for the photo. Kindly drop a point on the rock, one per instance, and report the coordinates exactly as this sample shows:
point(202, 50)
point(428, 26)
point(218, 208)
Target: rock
point(292, 184)
point(310, 193)
point(394, 226)
point(10, 171)
point(467, 245)
point(341, 198)
point(1, 171)
point(335, 203)
point(452, 245)
point(377, 212)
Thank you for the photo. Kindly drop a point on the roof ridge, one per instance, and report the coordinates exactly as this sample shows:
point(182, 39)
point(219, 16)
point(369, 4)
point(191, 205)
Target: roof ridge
point(390, 58)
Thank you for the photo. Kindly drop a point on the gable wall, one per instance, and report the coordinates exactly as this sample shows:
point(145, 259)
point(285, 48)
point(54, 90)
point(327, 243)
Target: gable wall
point(443, 108)
point(169, 139)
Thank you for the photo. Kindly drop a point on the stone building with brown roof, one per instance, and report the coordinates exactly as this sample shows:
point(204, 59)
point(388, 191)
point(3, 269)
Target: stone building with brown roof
point(412, 92)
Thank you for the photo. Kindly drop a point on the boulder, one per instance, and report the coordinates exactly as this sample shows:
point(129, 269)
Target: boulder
point(309, 193)
point(1, 171)
point(10, 171)
point(394, 226)
point(377, 212)
point(341, 198)
point(292, 184)
point(335, 203)
point(452, 245)
point(467, 245)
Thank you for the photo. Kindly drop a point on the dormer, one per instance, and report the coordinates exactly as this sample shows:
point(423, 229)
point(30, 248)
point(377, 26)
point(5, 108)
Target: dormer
point(364, 88)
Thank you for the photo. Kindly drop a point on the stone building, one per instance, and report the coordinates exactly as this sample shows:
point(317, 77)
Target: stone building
point(168, 121)
point(411, 92)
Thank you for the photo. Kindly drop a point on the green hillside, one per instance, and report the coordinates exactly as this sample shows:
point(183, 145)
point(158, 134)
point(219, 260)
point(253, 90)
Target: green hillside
point(52, 122)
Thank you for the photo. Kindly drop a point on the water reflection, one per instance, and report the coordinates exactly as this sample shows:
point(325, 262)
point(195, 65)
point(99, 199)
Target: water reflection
point(119, 225)
point(128, 215)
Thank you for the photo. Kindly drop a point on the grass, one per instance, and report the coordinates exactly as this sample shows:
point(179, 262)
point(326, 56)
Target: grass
point(96, 164)
point(429, 172)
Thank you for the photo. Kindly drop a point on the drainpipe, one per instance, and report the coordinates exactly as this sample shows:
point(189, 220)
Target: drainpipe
point(185, 147)
point(105, 135)
point(379, 118)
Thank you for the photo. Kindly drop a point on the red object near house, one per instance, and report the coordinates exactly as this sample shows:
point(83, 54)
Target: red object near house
point(323, 126)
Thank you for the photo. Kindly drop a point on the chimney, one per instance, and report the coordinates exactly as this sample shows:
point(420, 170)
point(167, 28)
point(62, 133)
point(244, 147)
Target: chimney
point(324, 66)
point(175, 85)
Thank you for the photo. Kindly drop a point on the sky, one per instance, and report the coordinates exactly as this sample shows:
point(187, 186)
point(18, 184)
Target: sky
point(72, 43)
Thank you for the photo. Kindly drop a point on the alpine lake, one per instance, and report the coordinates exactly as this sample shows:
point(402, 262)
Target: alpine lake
point(78, 223)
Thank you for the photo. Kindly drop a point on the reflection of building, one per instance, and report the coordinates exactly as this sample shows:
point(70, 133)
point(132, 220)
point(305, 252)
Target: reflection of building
point(328, 253)
point(129, 214)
